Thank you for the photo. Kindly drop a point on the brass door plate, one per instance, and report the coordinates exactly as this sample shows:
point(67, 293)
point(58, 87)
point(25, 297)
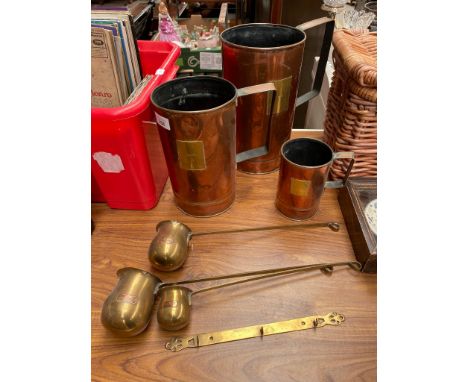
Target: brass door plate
point(191, 155)
point(205, 339)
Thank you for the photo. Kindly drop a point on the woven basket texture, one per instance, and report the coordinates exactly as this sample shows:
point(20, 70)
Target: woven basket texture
point(351, 116)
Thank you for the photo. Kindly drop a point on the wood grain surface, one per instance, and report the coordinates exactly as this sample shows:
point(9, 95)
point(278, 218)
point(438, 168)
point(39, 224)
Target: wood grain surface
point(343, 353)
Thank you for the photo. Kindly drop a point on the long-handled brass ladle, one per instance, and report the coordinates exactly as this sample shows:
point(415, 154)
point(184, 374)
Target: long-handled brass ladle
point(174, 300)
point(128, 308)
point(169, 248)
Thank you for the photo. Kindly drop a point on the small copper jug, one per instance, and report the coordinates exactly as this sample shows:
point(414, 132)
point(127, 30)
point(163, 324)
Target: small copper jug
point(304, 168)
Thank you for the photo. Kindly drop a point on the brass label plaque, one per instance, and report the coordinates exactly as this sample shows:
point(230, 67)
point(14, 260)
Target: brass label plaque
point(283, 91)
point(300, 187)
point(191, 155)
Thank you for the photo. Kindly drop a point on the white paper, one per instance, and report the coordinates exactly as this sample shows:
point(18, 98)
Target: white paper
point(211, 61)
point(162, 121)
point(109, 162)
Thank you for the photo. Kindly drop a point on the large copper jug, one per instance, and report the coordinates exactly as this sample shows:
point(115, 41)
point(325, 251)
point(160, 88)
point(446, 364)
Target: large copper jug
point(196, 118)
point(257, 53)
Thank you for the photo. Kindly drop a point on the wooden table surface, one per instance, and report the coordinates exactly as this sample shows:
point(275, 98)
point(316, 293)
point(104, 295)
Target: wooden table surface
point(333, 353)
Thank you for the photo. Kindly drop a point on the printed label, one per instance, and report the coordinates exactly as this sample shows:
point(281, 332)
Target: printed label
point(170, 304)
point(162, 121)
point(98, 44)
point(165, 239)
point(211, 61)
point(193, 61)
point(127, 298)
point(109, 162)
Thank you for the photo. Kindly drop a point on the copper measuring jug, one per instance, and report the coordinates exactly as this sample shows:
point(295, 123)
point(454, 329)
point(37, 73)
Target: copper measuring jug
point(196, 118)
point(256, 53)
point(304, 168)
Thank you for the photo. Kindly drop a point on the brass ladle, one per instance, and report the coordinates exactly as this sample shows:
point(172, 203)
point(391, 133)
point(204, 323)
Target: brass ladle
point(169, 248)
point(127, 310)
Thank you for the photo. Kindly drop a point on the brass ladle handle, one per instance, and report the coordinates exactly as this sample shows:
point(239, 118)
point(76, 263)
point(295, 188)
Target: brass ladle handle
point(334, 226)
point(357, 266)
point(327, 268)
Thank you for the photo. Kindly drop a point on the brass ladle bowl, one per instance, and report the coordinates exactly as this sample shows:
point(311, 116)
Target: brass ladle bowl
point(127, 310)
point(170, 246)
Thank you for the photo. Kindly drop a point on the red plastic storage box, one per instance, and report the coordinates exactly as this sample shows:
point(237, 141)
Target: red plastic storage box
point(128, 169)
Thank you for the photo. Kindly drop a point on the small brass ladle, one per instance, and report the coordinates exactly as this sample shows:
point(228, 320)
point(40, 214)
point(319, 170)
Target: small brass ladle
point(169, 248)
point(127, 310)
point(174, 301)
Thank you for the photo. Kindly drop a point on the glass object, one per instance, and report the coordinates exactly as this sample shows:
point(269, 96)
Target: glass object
point(335, 3)
point(371, 7)
point(352, 19)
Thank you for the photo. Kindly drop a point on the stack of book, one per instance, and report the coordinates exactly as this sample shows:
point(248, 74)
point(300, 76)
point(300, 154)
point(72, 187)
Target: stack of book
point(140, 10)
point(115, 68)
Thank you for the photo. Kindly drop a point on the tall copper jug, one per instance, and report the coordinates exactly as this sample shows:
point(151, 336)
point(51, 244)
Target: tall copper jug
point(257, 53)
point(196, 118)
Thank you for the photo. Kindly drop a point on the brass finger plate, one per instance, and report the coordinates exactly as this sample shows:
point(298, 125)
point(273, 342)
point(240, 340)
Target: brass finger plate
point(283, 92)
point(205, 339)
point(300, 187)
point(191, 155)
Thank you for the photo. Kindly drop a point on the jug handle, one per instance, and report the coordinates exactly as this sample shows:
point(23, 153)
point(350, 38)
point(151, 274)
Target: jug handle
point(248, 90)
point(324, 52)
point(342, 182)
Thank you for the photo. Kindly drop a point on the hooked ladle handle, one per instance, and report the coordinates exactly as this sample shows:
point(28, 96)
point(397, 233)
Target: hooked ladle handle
point(334, 226)
point(326, 268)
point(256, 273)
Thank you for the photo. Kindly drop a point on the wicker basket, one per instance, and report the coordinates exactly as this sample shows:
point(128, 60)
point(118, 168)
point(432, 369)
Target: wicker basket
point(351, 117)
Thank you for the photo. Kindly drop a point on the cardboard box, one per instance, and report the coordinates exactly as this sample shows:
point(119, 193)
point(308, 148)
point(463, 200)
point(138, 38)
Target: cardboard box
point(202, 60)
